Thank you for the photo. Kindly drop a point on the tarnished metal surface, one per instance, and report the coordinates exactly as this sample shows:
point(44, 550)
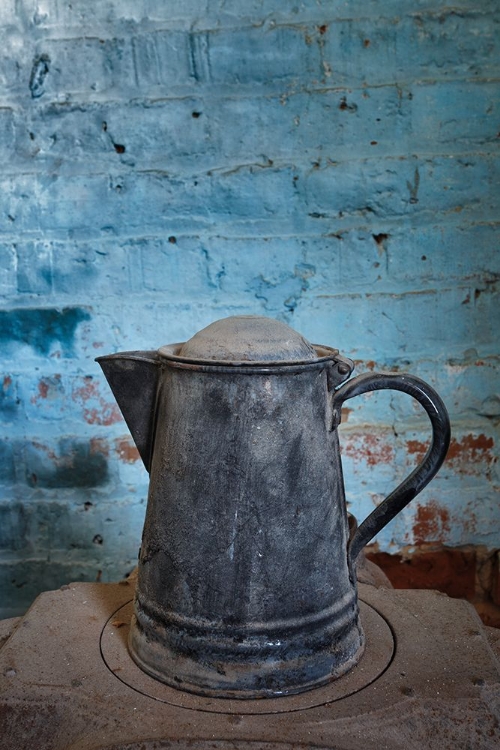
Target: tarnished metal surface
point(248, 338)
point(427, 468)
point(246, 585)
point(441, 689)
point(377, 657)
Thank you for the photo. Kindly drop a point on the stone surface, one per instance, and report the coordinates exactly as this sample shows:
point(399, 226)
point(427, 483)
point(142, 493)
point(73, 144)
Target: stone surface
point(442, 686)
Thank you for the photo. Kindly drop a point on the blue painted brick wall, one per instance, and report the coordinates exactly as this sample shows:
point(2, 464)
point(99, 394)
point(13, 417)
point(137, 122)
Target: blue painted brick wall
point(168, 163)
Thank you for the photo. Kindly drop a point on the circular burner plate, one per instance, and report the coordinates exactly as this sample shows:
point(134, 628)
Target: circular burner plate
point(377, 657)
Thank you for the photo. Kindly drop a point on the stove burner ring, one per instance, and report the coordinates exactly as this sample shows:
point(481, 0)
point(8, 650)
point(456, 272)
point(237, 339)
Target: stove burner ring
point(380, 648)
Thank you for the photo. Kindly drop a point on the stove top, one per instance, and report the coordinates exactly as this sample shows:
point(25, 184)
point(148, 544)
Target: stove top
point(428, 679)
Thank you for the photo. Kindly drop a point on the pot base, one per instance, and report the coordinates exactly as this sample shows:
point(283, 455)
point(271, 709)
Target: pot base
point(377, 656)
point(252, 661)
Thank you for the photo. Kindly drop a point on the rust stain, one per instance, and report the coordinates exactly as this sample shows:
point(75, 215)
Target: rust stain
point(371, 449)
point(432, 523)
point(127, 451)
point(7, 382)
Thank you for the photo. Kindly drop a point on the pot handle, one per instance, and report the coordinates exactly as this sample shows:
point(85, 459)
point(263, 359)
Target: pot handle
point(423, 473)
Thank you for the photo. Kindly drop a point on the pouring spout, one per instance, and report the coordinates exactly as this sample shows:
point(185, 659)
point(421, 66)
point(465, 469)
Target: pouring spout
point(133, 378)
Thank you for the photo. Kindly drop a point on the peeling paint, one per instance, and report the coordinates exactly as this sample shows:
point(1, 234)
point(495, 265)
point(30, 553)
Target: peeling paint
point(95, 409)
point(368, 448)
point(48, 388)
point(98, 446)
point(9, 402)
point(42, 328)
point(432, 522)
point(127, 451)
point(257, 190)
point(470, 454)
point(70, 463)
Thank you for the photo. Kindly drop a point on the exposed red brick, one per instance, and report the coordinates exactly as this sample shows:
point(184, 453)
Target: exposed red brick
point(474, 447)
point(127, 451)
point(43, 388)
point(48, 388)
point(432, 522)
point(452, 571)
point(98, 445)
point(367, 447)
point(468, 455)
point(96, 410)
point(109, 414)
point(368, 364)
point(488, 612)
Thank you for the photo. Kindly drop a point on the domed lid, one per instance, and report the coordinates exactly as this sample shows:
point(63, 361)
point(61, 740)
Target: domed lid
point(247, 339)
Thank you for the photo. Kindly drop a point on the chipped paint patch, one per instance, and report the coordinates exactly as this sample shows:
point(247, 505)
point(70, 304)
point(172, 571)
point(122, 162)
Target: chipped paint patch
point(42, 329)
point(95, 409)
point(98, 446)
point(432, 523)
point(369, 448)
point(127, 451)
point(67, 464)
point(470, 454)
point(48, 388)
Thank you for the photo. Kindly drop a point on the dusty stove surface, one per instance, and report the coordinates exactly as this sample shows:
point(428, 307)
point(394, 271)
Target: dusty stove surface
point(429, 679)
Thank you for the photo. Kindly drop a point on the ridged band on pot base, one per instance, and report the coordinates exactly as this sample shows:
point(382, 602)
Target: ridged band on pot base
point(249, 662)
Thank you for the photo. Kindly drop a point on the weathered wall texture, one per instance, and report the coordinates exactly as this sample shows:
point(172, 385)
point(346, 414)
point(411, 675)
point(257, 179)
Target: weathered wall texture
point(167, 163)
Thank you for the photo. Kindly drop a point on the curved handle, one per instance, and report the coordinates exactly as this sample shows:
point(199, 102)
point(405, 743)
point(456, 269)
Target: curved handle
point(436, 453)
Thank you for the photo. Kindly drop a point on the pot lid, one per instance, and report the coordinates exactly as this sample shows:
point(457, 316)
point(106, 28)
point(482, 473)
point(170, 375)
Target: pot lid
point(248, 338)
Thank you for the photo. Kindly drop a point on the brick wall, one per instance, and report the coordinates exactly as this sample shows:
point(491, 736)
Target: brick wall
point(168, 163)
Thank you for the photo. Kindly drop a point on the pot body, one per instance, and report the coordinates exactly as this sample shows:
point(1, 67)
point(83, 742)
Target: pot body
point(245, 585)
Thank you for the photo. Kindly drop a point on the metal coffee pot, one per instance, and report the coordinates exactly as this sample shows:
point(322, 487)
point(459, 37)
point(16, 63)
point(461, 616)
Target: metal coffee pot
point(246, 583)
